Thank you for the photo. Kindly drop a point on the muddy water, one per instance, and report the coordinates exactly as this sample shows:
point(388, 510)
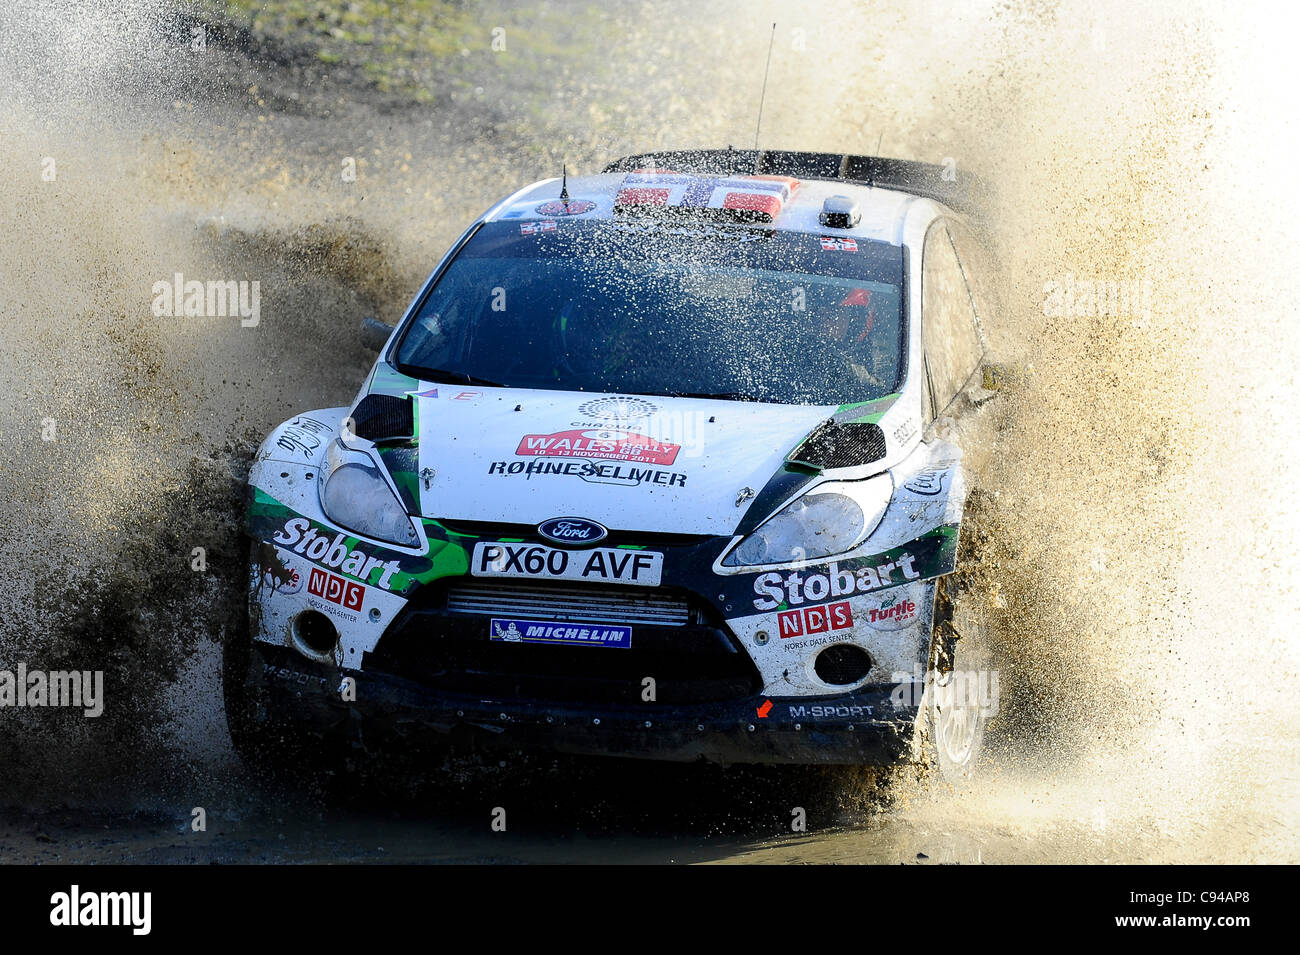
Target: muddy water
point(1134, 549)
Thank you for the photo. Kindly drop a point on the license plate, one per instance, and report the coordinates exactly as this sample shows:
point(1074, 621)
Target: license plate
point(604, 565)
point(510, 630)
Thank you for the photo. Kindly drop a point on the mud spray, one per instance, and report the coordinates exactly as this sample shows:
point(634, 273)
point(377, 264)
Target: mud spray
point(1134, 542)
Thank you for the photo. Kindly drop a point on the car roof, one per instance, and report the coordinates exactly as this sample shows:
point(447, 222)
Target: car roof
point(883, 211)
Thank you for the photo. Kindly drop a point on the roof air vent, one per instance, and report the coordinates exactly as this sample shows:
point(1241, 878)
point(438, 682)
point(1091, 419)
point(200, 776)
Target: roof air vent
point(839, 212)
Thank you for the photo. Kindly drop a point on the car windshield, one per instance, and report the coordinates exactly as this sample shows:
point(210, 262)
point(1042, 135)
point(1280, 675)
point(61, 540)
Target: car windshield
point(652, 308)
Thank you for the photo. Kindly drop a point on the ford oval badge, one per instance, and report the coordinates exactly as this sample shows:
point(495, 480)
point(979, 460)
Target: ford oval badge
point(572, 531)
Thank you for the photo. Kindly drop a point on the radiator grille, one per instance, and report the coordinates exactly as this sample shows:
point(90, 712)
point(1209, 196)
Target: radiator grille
point(572, 604)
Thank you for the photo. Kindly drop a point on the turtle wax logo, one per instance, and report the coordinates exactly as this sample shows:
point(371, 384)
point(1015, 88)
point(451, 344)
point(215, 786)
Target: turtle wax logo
point(599, 444)
point(572, 531)
point(893, 613)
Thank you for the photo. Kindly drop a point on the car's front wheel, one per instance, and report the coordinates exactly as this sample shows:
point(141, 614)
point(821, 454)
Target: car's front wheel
point(269, 744)
point(963, 686)
point(262, 747)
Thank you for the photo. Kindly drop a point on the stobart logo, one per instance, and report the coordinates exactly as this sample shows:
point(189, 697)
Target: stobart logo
point(797, 588)
point(299, 535)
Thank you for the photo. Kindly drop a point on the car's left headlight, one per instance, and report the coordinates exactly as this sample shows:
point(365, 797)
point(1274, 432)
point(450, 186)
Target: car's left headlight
point(830, 519)
point(354, 494)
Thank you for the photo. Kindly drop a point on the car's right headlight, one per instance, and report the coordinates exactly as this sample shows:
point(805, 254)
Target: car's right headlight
point(832, 518)
point(355, 495)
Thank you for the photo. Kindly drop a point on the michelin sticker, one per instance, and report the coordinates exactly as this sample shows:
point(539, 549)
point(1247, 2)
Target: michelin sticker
point(507, 630)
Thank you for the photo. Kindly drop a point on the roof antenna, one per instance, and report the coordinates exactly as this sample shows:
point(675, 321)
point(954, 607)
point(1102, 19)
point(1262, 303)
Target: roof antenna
point(871, 181)
point(564, 184)
point(762, 96)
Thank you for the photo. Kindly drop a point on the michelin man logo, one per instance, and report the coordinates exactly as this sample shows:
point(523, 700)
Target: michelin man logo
point(510, 634)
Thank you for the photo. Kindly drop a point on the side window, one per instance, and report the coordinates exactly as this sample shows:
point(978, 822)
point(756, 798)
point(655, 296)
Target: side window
point(977, 266)
point(927, 404)
point(952, 343)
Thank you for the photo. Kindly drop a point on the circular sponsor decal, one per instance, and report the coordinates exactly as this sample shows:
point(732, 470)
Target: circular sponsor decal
point(280, 585)
point(572, 531)
point(927, 481)
point(558, 207)
point(621, 408)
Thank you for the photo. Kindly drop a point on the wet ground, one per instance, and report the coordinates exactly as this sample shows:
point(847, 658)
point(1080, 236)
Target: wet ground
point(612, 812)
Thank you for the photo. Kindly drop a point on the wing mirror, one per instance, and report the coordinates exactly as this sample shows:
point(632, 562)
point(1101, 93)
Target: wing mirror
point(996, 376)
point(374, 333)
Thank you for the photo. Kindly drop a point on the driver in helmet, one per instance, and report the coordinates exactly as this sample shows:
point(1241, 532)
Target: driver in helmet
point(592, 342)
point(846, 328)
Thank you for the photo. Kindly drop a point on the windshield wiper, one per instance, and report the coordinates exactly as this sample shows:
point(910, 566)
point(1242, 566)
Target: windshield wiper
point(447, 376)
point(720, 396)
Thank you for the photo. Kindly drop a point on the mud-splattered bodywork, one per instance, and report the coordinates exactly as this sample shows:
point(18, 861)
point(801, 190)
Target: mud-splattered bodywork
point(651, 642)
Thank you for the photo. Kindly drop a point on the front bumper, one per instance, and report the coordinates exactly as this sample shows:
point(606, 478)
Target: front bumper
point(874, 725)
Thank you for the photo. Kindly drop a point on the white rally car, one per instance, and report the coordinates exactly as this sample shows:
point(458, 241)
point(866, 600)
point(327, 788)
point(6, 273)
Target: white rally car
point(664, 462)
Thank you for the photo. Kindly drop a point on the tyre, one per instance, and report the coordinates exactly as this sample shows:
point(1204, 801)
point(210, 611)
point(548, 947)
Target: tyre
point(270, 745)
point(245, 695)
point(961, 696)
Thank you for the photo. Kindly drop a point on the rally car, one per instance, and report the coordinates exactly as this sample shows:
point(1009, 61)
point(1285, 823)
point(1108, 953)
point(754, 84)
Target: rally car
point(664, 462)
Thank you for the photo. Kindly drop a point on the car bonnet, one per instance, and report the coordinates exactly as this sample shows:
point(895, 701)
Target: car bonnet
point(631, 462)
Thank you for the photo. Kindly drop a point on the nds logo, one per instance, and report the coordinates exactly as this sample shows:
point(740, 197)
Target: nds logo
point(103, 908)
point(798, 623)
point(572, 531)
point(335, 589)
